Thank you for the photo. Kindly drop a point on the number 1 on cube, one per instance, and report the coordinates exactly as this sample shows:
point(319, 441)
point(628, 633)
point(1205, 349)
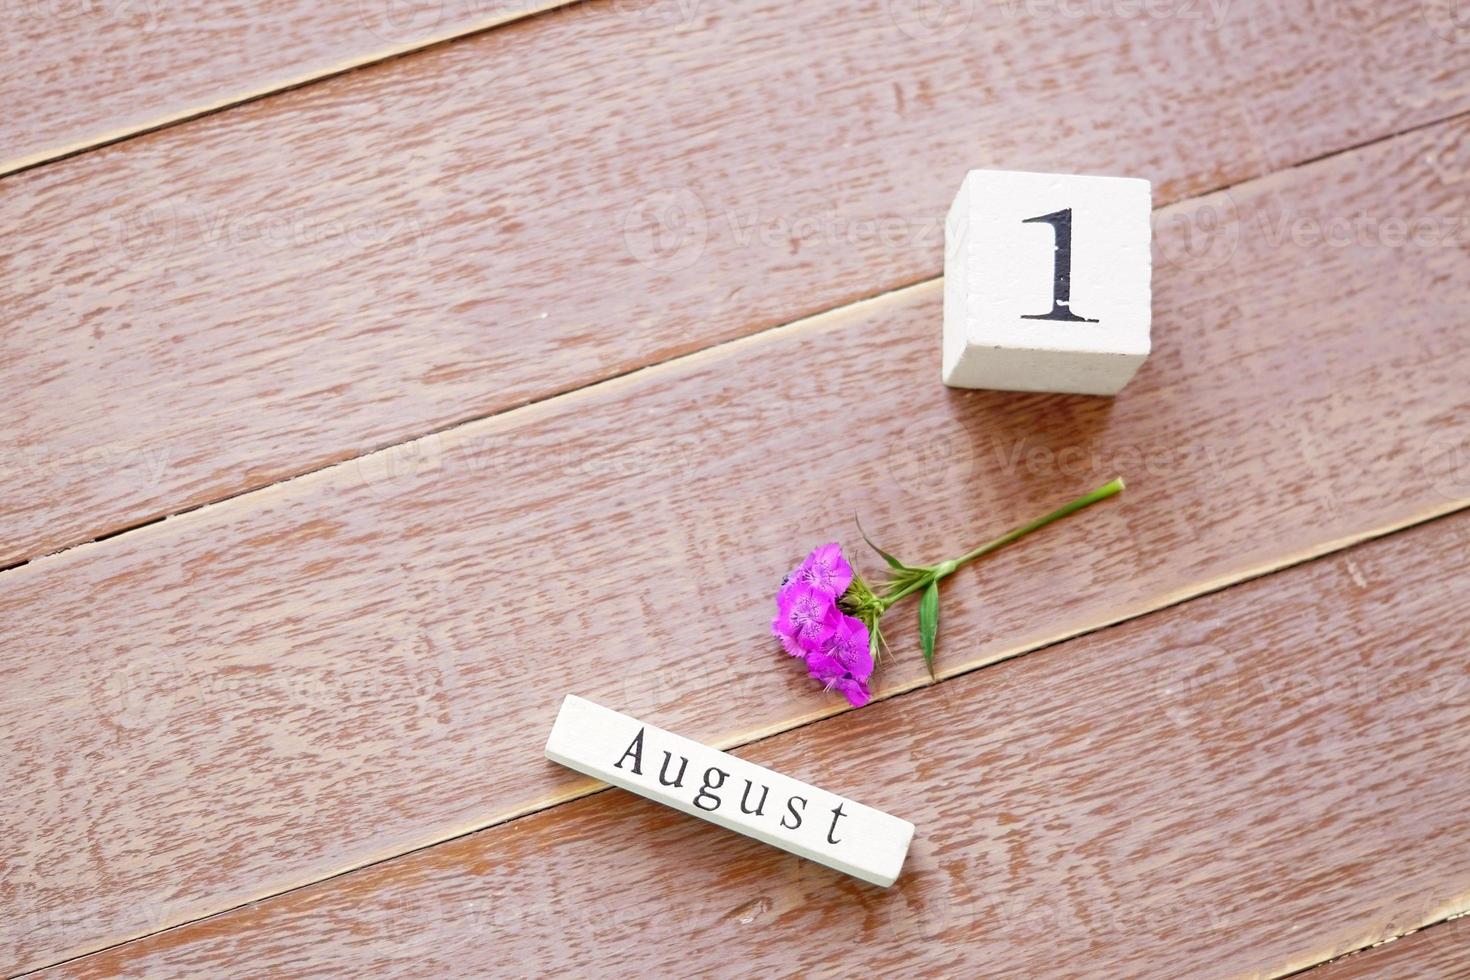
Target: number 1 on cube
point(1061, 286)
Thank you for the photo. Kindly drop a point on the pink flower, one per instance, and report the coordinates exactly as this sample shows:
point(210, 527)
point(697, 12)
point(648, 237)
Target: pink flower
point(803, 618)
point(813, 626)
point(825, 570)
point(854, 690)
point(848, 645)
point(827, 615)
point(844, 661)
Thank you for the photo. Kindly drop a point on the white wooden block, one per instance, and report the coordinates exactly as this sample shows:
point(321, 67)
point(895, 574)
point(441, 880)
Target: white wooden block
point(1046, 282)
point(725, 790)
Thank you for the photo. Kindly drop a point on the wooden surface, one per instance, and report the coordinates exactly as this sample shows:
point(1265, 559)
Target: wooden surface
point(230, 302)
point(78, 75)
point(1293, 790)
point(1440, 952)
point(526, 364)
point(228, 664)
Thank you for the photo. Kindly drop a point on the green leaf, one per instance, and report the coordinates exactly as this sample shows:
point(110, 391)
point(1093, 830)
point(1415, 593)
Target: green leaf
point(892, 561)
point(929, 623)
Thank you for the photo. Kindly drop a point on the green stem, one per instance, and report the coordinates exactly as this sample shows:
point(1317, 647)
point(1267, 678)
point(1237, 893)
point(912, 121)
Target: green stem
point(945, 568)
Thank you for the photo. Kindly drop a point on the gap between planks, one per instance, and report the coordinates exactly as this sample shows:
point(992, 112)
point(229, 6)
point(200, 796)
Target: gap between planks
point(168, 120)
point(589, 787)
point(1346, 958)
point(818, 321)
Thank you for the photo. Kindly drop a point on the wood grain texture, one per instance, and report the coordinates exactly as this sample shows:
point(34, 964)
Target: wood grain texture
point(1439, 952)
point(292, 683)
point(1248, 784)
point(79, 74)
point(224, 304)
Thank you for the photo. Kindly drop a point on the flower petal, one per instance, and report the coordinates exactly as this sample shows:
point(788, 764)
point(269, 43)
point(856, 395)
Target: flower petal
point(825, 570)
point(803, 619)
point(856, 692)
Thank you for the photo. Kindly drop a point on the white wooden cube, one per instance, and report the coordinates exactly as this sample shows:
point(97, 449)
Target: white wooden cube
point(728, 791)
point(1047, 282)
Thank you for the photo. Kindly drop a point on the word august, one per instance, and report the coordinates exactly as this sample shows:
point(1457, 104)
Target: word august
point(729, 791)
point(707, 799)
